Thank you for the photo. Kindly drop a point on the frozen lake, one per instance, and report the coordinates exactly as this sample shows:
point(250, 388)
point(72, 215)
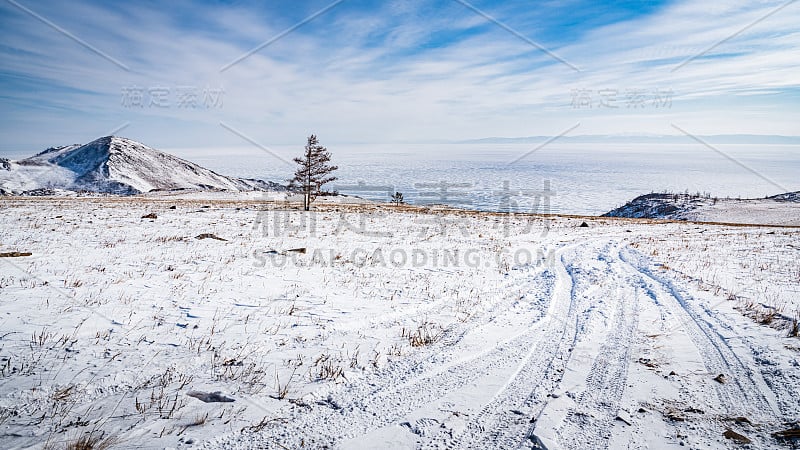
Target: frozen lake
point(583, 178)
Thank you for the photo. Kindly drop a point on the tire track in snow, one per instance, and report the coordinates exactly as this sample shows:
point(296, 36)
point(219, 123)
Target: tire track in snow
point(389, 394)
point(588, 424)
point(741, 394)
point(502, 422)
point(782, 381)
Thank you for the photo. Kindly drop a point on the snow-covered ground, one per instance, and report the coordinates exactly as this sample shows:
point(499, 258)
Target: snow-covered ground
point(369, 326)
point(759, 211)
point(782, 209)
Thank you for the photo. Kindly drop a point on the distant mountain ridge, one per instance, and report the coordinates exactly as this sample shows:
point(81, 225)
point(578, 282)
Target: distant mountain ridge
point(116, 165)
point(643, 139)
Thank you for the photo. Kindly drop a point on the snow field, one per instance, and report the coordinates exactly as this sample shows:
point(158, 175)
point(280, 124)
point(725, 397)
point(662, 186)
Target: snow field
point(504, 332)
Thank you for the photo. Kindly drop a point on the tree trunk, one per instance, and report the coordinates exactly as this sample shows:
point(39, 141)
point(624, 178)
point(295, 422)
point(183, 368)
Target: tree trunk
point(307, 198)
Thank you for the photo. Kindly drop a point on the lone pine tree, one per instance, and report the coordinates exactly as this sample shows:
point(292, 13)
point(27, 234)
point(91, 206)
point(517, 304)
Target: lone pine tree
point(397, 198)
point(313, 172)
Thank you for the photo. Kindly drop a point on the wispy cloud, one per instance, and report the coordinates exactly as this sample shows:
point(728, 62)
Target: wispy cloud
point(393, 71)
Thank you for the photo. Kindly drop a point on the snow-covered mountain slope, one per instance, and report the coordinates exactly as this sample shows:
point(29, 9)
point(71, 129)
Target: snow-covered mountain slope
point(118, 166)
point(782, 209)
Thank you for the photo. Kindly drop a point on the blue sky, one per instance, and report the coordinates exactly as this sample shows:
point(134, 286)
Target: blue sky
point(392, 71)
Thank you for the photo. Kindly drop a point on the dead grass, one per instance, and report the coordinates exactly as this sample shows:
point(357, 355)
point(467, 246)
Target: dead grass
point(794, 327)
point(199, 420)
point(166, 239)
point(64, 393)
point(325, 367)
point(93, 440)
point(769, 316)
point(282, 389)
point(426, 333)
point(73, 283)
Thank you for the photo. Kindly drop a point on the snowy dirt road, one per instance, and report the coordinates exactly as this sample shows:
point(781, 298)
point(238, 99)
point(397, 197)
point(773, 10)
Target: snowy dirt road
point(564, 380)
point(614, 335)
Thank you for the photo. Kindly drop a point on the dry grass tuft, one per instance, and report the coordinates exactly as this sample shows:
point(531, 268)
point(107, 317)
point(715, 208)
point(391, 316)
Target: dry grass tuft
point(91, 441)
point(426, 334)
point(326, 368)
point(794, 328)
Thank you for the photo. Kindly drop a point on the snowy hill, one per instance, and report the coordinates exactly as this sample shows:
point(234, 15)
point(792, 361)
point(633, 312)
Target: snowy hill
point(781, 209)
point(115, 165)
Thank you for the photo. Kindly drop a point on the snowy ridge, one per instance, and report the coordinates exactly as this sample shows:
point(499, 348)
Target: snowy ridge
point(781, 209)
point(116, 165)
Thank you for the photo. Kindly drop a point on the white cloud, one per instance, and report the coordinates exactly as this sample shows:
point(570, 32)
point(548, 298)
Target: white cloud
point(382, 75)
